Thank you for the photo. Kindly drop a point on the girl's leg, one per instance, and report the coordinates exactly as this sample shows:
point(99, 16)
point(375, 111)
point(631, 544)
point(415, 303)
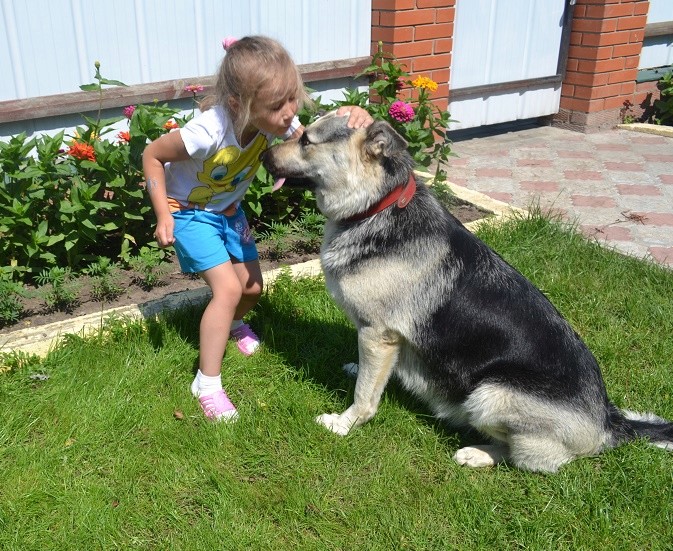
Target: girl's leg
point(213, 335)
point(250, 277)
point(225, 284)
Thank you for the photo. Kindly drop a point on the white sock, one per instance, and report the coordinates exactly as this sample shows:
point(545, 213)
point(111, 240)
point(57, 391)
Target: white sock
point(235, 325)
point(203, 385)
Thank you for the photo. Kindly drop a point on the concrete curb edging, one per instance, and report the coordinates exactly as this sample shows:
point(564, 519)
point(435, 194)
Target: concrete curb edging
point(40, 340)
point(646, 128)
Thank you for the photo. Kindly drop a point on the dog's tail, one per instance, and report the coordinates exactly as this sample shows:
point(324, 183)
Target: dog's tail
point(629, 425)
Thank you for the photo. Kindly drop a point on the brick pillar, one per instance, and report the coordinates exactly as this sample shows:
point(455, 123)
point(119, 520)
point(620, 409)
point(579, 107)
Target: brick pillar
point(419, 33)
point(605, 45)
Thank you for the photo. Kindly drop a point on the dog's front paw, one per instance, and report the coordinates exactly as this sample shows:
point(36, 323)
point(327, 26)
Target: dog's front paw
point(334, 422)
point(476, 457)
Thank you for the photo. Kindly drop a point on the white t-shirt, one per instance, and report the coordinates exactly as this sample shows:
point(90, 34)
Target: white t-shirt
point(219, 171)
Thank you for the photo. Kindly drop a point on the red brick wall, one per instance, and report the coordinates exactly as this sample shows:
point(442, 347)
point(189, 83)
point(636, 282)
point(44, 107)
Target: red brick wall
point(605, 45)
point(420, 34)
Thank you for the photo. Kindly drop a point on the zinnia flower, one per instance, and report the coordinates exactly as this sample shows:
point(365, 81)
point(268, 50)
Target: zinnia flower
point(124, 136)
point(128, 111)
point(401, 112)
point(82, 151)
point(425, 82)
point(170, 125)
point(194, 88)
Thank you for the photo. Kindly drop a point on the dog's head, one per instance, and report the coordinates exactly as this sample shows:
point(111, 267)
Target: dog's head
point(348, 169)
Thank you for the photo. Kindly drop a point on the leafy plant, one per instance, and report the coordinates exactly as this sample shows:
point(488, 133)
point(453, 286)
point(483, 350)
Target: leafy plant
point(277, 240)
point(663, 107)
point(422, 124)
point(149, 267)
point(97, 86)
point(11, 306)
point(105, 279)
point(59, 288)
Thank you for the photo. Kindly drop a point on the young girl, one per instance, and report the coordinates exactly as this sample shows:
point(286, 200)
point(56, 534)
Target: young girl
point(196, 177)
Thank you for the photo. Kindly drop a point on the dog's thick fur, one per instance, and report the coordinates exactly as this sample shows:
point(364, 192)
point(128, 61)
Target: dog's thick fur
point(435, 306)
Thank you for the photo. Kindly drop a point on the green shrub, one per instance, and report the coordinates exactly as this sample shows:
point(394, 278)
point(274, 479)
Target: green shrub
point(105, 279)
point(11, 306)
point(149, 268)
point(59, 288)
point(663, 107)
point(66, 200)
point(407, 105)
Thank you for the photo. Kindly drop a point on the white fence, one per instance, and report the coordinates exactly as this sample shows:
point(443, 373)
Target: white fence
point(49, 46)
point(658, 50)
point(505, 41)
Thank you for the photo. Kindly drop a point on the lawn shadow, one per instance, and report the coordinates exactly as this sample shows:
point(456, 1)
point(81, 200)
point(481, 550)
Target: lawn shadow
point(184, 321)
point(301, 325)
point(319, 344)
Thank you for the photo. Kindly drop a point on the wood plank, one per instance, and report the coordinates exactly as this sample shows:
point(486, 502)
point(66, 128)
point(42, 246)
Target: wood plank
point(502, 87)
point(120, 96)
point(659, 29)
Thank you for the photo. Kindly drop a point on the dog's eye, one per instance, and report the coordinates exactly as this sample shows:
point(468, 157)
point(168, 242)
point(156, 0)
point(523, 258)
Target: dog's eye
point(304, 141)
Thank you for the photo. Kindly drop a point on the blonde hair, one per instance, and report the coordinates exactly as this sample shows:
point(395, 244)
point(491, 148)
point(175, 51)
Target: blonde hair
point(251, 64)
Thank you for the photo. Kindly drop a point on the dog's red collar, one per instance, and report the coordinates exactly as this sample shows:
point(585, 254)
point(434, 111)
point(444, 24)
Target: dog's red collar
point(400, 196)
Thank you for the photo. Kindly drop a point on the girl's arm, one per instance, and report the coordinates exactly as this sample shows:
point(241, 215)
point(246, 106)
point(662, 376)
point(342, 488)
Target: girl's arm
point(167, 148)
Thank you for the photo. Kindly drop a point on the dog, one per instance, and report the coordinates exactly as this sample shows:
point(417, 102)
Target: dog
point(435, 306)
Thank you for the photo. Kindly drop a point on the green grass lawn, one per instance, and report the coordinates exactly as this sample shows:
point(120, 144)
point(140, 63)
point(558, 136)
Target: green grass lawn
point(103, 447)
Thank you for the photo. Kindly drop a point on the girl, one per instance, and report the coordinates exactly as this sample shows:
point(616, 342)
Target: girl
point(196, 178)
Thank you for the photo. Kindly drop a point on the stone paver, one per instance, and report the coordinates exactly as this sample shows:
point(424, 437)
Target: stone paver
point(616, 185)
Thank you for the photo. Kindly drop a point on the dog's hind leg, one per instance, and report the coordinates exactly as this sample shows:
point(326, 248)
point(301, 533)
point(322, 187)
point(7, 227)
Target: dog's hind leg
point(378, 352)
point(535, 452)
point(529, 453)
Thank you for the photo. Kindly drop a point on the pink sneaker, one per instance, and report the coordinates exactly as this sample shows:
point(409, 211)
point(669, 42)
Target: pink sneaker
point(247, 341)
point(218, 407)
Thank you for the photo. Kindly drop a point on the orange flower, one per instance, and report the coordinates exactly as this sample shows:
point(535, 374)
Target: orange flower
point(81, 150)
point(124, 136)
point(425, 82)
point(170, 125)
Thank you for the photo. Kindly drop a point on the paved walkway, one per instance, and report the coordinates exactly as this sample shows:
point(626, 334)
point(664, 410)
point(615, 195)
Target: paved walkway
point(617, 185)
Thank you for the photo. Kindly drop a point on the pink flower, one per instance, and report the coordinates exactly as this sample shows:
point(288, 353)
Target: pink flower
point(128, 111)
point(401, 112)
point(194, 88)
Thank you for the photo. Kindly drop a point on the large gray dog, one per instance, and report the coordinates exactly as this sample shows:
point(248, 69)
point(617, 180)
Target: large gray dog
point(435, 306)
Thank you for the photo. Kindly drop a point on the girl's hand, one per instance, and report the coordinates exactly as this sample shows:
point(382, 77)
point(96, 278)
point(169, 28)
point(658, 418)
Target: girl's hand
point(164, 232)
point(359, 118)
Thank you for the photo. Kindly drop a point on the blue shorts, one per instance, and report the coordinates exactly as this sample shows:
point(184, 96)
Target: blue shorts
point(204, 239)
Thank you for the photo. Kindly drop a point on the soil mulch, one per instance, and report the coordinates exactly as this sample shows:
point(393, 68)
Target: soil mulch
point(36, 312)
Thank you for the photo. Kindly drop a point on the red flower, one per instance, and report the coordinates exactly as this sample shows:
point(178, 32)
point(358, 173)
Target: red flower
point(124, 136)
point(170, 125)
point(81, 150)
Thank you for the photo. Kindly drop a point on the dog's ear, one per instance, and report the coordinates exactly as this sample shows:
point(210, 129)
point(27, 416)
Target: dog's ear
point(382, 140)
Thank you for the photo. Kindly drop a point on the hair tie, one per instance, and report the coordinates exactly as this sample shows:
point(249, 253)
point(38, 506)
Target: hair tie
point(228, 41)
